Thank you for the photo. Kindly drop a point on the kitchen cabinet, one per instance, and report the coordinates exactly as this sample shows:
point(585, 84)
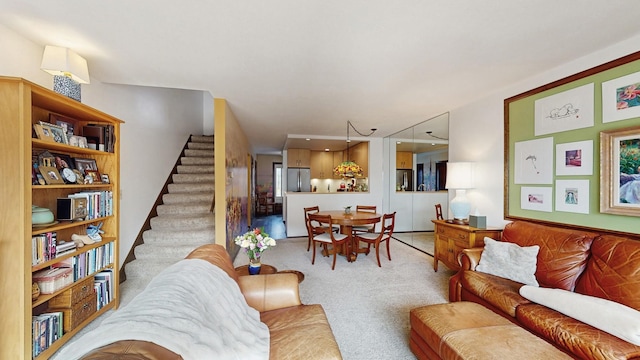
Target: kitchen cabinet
point(360, 154)
point(404, 160)
point(338, 158)
point(299, 158)
point(321, 165)
point(451, 239)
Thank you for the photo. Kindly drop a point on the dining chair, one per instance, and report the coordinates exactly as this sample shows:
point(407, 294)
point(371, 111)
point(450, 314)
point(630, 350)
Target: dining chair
point(387, 225)
point(324, 235)
point(364, 228)
point(439, 212)
point(313, 210)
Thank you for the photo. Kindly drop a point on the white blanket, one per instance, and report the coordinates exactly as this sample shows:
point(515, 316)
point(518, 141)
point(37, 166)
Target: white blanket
point(192, 308)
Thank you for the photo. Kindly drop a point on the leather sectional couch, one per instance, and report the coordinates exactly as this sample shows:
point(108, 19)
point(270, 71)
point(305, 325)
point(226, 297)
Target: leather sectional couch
point(601, 266)
point(296, 331)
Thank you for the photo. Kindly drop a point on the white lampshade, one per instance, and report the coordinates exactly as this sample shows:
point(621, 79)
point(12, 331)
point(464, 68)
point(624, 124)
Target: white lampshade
point(460, 178)
point(64, 62)
point(459, 175)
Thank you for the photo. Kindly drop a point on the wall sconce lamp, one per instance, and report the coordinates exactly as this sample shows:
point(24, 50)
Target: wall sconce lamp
point(69, 70)
point(460, 178)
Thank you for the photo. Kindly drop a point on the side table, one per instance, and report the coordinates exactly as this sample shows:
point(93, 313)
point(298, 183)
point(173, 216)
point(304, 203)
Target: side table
point(264, 269)
point(451, 239)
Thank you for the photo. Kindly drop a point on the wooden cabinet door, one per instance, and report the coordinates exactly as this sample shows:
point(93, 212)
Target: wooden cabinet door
point(404, 160)
point(321, 165)
point(299, 158)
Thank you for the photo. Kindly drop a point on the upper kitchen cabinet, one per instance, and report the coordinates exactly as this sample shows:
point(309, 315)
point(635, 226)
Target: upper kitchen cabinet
point(300, 158)
point(321, 164)
point(404, 160)
point(360, 154)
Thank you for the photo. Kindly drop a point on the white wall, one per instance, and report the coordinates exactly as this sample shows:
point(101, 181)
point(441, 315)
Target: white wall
point(157, 124)
point(476, 131)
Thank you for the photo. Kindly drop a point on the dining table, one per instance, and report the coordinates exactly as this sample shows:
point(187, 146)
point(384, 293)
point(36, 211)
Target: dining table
point(347, 221)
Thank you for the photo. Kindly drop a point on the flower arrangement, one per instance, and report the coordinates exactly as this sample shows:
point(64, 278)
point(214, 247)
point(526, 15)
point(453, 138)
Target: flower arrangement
point(255, 242)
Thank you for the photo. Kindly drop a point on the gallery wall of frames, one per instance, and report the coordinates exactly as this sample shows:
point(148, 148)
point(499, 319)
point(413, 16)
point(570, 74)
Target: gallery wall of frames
point(572, 150)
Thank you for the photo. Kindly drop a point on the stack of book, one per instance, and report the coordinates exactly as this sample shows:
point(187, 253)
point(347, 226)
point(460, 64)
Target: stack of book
point(65, 248)
point(43, 247)
point(99, 203)
point(103, 286)
point(46, 328)
point(100, 135)
point(89, 262)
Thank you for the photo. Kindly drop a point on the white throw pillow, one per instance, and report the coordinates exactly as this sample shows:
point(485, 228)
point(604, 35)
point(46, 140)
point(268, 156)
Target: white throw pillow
point(609, 316)
point(510, 261)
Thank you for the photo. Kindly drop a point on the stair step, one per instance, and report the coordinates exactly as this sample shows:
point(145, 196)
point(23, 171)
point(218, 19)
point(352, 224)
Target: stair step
point(163, 252)
point(196, 169)
point(197, 160)
point(185, 237)
point(201, 138)
point(189, 188)
point(193, 197)
point(147, 269)
point(200, 146)
point(199, 153)
point(187, 208)
point(193, 178)
point(182, 222)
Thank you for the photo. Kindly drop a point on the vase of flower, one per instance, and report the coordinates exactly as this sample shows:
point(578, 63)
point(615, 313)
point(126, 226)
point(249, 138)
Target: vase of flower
point(254, 243)
point(347, 210)
point(254, 266)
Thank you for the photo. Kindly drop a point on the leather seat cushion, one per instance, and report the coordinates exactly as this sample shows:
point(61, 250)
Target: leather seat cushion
point(613, 271)
point(466, 330)
point(575, 336)
point(501, 293)
point(300, 332)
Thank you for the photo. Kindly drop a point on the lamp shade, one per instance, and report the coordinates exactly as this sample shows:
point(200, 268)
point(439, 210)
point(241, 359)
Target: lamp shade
point(64, 62)
point(460, 178)
point(459, 175)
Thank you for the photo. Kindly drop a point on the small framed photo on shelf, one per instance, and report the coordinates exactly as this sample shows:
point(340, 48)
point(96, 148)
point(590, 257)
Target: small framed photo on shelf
point(58, 133)
point(43, 132)
point(92, 177)
point(63, 161)
point(85, 164)
point(66, 123)
point(51, 175)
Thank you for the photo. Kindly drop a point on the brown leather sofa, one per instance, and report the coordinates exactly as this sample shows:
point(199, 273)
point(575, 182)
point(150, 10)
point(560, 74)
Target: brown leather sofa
point(296, 331)
point(600, 265)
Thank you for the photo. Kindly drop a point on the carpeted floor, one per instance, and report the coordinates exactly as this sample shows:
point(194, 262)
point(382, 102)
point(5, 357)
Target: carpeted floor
point(367, 306)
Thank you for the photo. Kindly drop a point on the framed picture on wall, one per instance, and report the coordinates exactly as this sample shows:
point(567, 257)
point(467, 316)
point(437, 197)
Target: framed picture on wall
point(621, 98)
point(568, 110)
point(534, 161)
point(572, 196)
point(620, 171)
point(575, 158)
point(536, 198)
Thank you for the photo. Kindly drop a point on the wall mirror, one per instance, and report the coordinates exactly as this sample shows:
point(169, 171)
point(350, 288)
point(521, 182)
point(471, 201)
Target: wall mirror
point(417, 169)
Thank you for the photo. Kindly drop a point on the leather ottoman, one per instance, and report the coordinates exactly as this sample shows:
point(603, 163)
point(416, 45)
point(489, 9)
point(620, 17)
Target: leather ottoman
point(466, 330)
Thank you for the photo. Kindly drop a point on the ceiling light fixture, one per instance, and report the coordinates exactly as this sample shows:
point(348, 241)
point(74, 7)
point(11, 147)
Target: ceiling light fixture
point(430, 133)
point(69, 70)
point(348, 168)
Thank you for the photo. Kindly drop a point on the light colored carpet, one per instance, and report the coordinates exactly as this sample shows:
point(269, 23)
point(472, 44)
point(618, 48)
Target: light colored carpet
point(367, 306)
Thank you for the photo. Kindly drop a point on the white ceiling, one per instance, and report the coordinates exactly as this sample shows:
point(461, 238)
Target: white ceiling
point(308, 66)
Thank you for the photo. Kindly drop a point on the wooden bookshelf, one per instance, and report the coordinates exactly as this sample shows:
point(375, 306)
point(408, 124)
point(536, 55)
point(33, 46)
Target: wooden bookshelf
point(23, 104)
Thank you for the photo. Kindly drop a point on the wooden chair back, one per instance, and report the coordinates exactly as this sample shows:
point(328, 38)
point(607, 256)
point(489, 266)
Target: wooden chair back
point(366, 208)
point(319, 224)
point(439, 212)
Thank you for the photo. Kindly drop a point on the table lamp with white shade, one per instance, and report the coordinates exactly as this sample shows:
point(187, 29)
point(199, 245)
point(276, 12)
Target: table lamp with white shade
point(460, 178)
point(69, 70)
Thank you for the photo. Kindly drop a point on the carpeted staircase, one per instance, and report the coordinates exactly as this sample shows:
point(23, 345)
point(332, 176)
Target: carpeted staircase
point(185, 219)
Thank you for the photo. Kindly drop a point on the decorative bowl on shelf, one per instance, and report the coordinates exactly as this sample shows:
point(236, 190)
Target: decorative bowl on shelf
point(40, 215)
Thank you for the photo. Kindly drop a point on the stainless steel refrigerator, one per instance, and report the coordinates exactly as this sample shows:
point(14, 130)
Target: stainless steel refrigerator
point(299, 179)
point(404, 180)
